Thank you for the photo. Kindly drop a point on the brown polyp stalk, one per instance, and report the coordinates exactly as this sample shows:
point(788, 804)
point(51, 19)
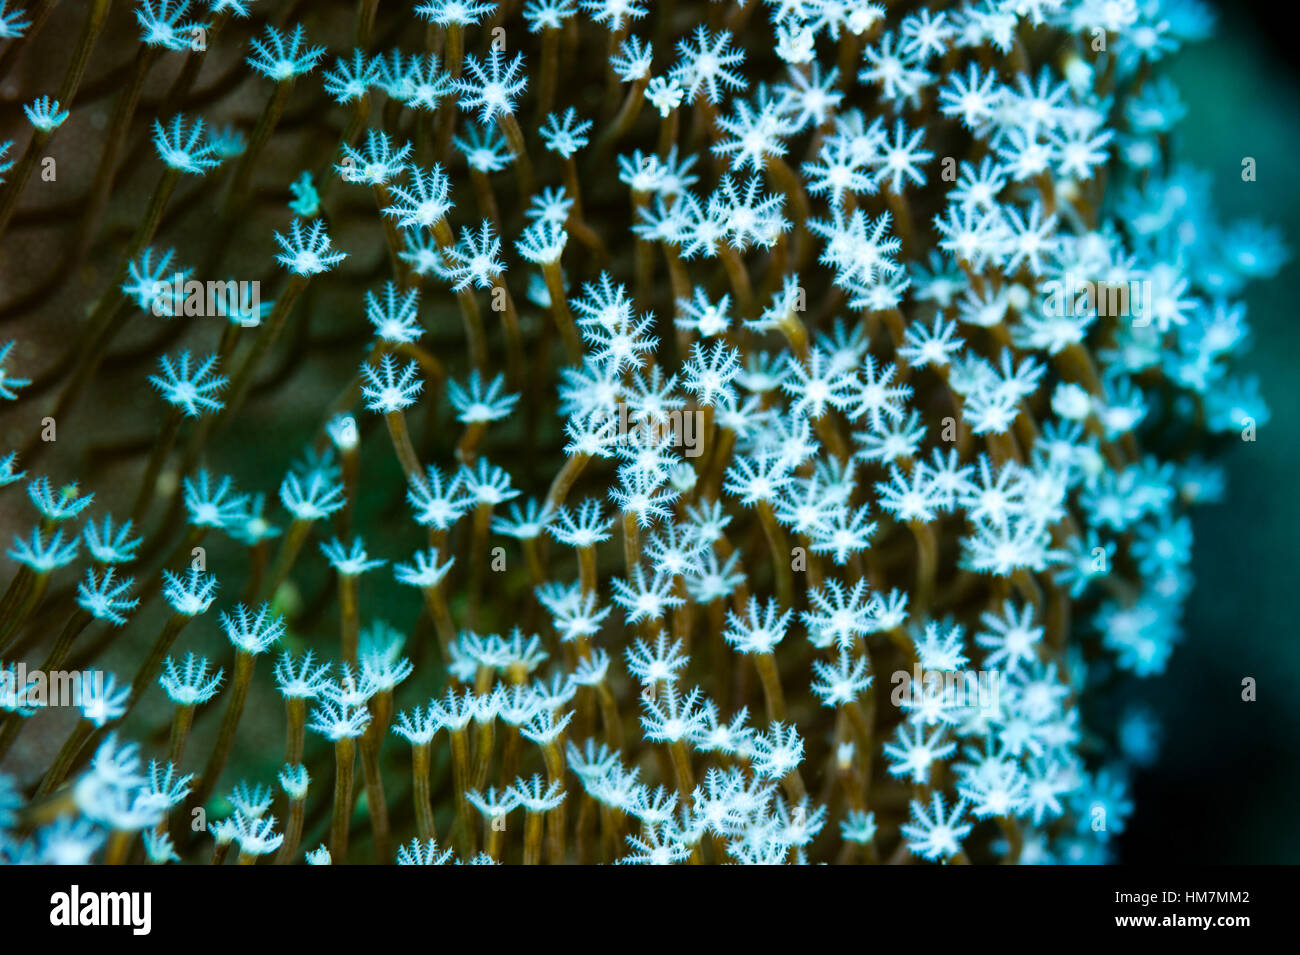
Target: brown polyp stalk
point(119, 127)
point(344, 757)
point(523, 166)
point(515, 362)
point(219, 852)
point(441, 616)
point(861, 719)
point(477, 555)
point(349, 616)
point(587, 569)
point(31, 593)
point(533, 828)
point(463, 832)
point(144, 676)
point(296, 718)
point(119, 844)
point(682, 768)
point(484, 741)
point(470, 439)
point(765, 664)
point(242, 379)
point(576, 223)
point(14, 594)
point(287, 555)
point(484, 196)
point(780, 550)
point(365, 25)
point(421, 766)
point(564, 479)
point(642, 250)
point(738, 276)
point(631, 542)
point(554, 759)
point(402, 446)
point(237, 193)
point(669, 125)
point(683, 614)
point(494, 836)
point(476, 337)
point(66, 755)
point(560, 309)
point(788, 182)
point(182, 720)
point(549, 74)
point(356, 123)
point(149, 482)
point(927, 563)
point(292, 831)
point(792, 783)
point(633, 103)
point(12, 723)
point(532, 559)
point(609, 715)
point(372, 740)
point(216, 762)
point(384, 201)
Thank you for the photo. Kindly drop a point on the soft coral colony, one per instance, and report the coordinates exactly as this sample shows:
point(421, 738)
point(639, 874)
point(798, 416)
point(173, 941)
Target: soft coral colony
point(897, 349)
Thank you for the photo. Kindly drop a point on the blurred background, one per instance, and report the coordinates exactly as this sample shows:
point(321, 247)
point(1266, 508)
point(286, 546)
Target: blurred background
point(1226, 786)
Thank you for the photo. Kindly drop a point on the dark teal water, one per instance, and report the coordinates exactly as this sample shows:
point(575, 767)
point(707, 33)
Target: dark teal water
point(1227, 786)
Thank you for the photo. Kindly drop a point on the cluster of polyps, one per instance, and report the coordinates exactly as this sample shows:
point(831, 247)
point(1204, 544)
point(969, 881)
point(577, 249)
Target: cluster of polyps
point(800, 358)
